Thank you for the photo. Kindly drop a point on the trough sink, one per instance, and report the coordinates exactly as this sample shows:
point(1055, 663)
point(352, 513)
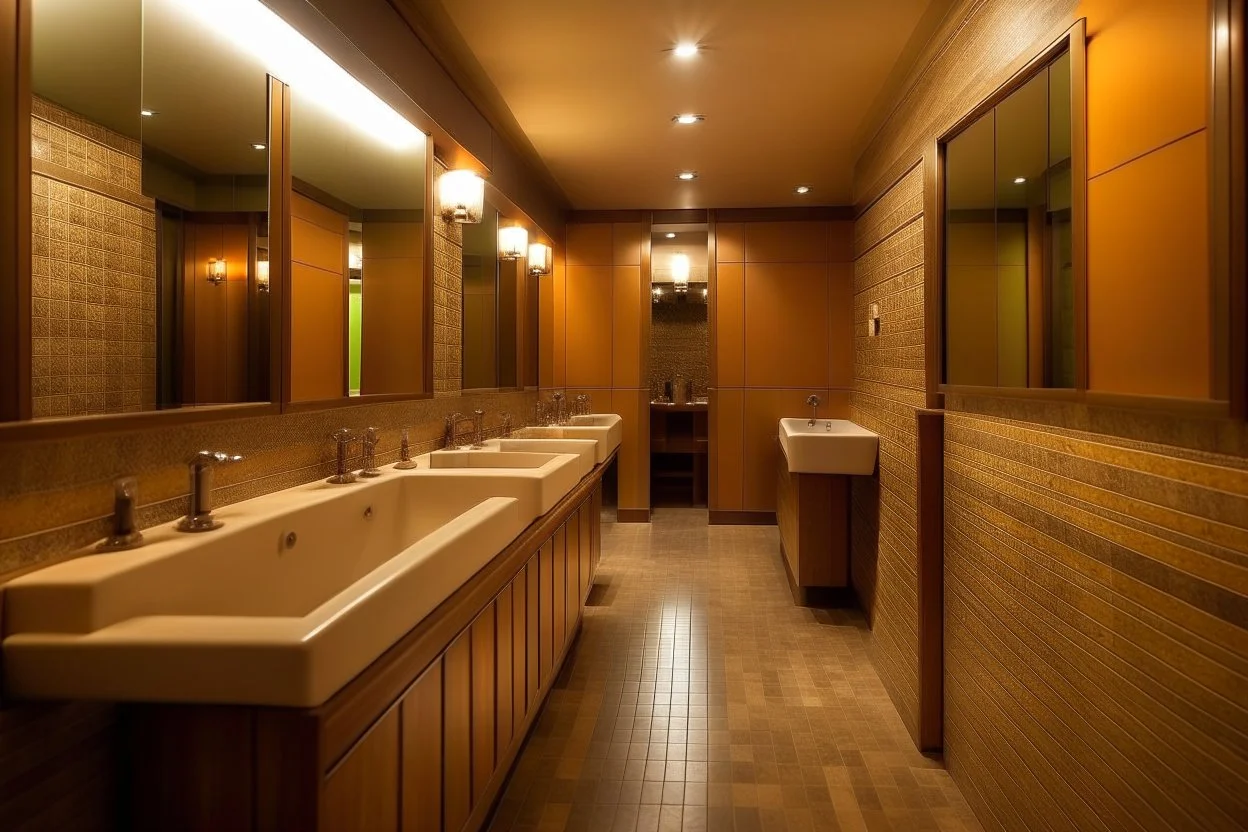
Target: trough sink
point(606, 428)
point(830, 446)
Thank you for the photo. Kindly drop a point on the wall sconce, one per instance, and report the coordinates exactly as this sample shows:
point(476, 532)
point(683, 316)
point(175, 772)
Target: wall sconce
point(262, 275)
point(513, 242)
point(216, 271)
point(461, 196)
point(680, 273)
point(540, 257)
point(355, 257)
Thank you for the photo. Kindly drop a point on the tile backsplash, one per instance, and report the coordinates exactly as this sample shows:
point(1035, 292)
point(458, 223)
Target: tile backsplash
point(678, 345)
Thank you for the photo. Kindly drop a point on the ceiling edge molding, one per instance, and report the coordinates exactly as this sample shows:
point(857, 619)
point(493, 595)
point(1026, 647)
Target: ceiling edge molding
point(435, 29)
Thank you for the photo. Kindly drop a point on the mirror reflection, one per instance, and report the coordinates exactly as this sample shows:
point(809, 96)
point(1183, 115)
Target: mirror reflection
point(150, 206)
point(1009, 274)
point(479, 302)
point(357, 257)
point(499, 304)
point(679, 360)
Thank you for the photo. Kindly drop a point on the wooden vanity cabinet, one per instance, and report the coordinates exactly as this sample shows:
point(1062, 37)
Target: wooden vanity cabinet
point(421, 741)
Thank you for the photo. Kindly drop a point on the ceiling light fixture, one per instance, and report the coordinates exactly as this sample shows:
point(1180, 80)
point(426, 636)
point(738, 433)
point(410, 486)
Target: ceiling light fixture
point(671, 235)
point(685, 50)
point(540, 256)
point(687, 175)
point(802, 189)
point(461, 196)
point(1020, 180)
point(259, 146)
point(147, 113)
point(688, 118)
point(251, 26)
point(513, 242)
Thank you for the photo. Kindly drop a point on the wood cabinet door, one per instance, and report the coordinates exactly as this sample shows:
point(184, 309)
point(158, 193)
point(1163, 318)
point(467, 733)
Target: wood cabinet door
point(503, 672)
point(422, 753)
point(572, 604)
point(484, 707)
point(457, 733)
point(559, 592)
point(533, 630)
point(546, 610)
point(519, 651)
point(362, 792)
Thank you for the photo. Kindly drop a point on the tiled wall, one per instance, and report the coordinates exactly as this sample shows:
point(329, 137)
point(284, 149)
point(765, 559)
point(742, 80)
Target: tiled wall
point(93, 269)
point(888, 388)
point(448, 302)
point(782, 308)
point(678, 345)
point(1096, 606)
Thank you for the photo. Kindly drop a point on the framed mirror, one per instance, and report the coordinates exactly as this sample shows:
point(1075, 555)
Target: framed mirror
point(360, 271)
point(679, 331)
point(150, 203)
point(1012, 233)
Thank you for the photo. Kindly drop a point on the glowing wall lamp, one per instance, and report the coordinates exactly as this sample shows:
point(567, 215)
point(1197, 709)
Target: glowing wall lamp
point(216, 271)
point(680, 273)
point(513, 242)
point(540, 259)
point(461, 196)
point(262, 275)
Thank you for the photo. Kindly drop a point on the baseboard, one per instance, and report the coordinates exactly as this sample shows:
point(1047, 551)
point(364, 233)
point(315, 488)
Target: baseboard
point(632, 515)
point(743, 518)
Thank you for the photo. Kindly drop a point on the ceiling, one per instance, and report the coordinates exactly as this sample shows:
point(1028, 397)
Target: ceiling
point(787, 89)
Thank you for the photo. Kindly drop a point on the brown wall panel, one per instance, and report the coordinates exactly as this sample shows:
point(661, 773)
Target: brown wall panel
point(786, 325)
point(628, 291)
point(786, 242)
point(588, 325)
point(363, 791)
point(626, 239)
point(730, 324)
point(728, 459)
point(590, 244)
point(422, 753)
point(391, 348)
point(457, 733)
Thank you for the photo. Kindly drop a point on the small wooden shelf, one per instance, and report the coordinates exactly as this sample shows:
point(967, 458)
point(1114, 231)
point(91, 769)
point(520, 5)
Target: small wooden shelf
point(679, 450)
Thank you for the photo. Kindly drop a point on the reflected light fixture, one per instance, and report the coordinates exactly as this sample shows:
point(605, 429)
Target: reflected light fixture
point(540, 257)
point(680, 273)
point(1020, 180)
point(461, 195)
point(671, 235)
point(262, 275)
point(216, 271)
point(687, 175)
point(802, 189)
point(147, 113)
point(252, 27)
point(259, 146)
point(688, 118)
point(513, 242)
point(685, 50)
point(355, 257)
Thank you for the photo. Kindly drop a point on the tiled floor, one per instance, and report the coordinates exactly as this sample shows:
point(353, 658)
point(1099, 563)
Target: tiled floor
point(699, 698)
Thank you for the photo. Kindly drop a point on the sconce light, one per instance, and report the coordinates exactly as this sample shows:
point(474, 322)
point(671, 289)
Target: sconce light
point(513, 242)
point(355, 257)
point(461, 196)
point(680, 273)
point(216, 271)
point(262, 275)
point(540, 256)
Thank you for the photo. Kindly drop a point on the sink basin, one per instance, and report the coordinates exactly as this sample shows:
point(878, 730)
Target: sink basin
point(543, 478)
point(295, 595)
point(831, 446)
point(606, 428)
point(585, 448)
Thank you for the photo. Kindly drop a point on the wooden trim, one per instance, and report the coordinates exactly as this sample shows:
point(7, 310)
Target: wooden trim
point(931, 566)
point(349, 713)
point(15, 212)
point(1188, 408)
point(666, 216)
point(1077, 38)
point(39, 430)
point(1061, 394)
point(632, 515)
point(933, 273)
point(742, 518)
point(352, 401)
point(587, 217)
point(279, 241)
point(814, 213)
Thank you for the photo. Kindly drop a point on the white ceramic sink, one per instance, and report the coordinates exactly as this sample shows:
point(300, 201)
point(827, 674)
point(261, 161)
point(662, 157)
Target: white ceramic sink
point(544, 478)
point(830, 446)
point(606, 428)
point(587, 449)
point(294, 596)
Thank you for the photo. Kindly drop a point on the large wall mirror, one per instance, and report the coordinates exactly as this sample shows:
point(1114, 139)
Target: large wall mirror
point(150, 207)
point(1013, 269)
point(679, 332)
point(358, 281)
point(499, 301)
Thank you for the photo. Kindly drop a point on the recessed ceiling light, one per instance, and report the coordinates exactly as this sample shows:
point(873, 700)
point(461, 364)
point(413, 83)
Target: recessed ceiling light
point(685, 50)
point(688, 118)
point(259, 146)
point(1020, 180)
point(802, 189)
point(147, 113)
point(671, 235)
point(687, 175)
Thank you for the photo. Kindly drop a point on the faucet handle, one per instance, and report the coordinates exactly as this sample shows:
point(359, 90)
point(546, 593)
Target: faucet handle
point(370, 436)
point(506, 424)
point(813, 400)
point(343, 436)
point(213, 458)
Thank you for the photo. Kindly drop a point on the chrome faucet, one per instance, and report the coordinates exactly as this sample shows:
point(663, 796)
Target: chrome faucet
point(125, 534)
point(478, 429)
point(813, 402)
point(199, 518)
point(558, 397)
point(369, 468)
point(506, 429)
point(448, 435)
point(405, 462)
point(582, 405)
point(344, 437)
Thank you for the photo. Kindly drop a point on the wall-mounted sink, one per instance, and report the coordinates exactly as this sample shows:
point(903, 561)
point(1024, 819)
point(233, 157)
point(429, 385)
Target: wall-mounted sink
point(830, 446)
point(295, 595)
point(606, 428)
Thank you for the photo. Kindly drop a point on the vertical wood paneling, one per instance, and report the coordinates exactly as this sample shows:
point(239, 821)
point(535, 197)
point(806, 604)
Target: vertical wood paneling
point(422, 753)
point(559, 591)
point(484, 704)
point(533, 631)
point(363, 792)
point(503, 671)
point(546, 610)
point(457, 733)
point(519, 651)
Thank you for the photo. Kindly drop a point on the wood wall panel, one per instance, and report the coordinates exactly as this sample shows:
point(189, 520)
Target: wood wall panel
point(363, 792)
point(392, 358)
point(786, 242)
point(627, 295)
point(589, 326)
point(729, 313)
point(729, 418)
point(457, 733)
point(786, 325)
point(422, 753)
point(318, 251)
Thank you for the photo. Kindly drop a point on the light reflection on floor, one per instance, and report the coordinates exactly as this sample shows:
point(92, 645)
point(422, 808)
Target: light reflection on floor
point(699, 698)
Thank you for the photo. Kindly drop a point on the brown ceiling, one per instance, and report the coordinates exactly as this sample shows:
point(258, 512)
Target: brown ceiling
point(787, 89)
